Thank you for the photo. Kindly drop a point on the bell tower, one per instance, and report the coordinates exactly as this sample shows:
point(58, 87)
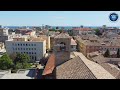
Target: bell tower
point(62, 48)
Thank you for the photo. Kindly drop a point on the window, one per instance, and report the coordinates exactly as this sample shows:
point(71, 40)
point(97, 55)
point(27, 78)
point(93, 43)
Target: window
point(13, 48)
point(26, 48)
point(26, 44)
point(31, 44)
point(29, 48)
point(32, 57)
point(18, 44)
point(35, 52)
point(21, 44)
point(13, 44)
point(35, 57)
point(29, 52)
point(34, 48)
point(21, 52)
point(24, 52)
point(34, 44)
point(32, 52)
point(21, 48)
point(18, 49)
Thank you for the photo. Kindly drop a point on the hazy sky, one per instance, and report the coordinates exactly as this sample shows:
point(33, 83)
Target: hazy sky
point(57, 18)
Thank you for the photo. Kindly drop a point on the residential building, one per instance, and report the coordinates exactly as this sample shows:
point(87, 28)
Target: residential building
point(92, 43)
point(47, 38)
point(3, 31)
point(111, 29)
point(82, 31)
point(3, 34)
point(29, 32)
point(73, 45)
point(34, 47)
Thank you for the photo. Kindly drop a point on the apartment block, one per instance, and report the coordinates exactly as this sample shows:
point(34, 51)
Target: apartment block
point(34, 47)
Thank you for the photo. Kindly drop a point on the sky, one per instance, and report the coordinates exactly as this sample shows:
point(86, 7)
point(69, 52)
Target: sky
point(57, 18)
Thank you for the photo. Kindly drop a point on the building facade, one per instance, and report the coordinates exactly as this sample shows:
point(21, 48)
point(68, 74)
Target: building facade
point(35, 48)
point(82, 31)
point(92, 44)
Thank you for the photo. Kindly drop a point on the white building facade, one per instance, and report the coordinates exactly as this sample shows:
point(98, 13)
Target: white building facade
point(35, 49)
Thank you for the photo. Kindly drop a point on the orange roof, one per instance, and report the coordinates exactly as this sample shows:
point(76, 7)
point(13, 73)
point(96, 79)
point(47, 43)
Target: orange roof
point(50, 65)
point(82, 29)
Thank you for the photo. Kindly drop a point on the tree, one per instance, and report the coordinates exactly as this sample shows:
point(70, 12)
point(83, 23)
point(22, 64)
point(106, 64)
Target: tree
point(5, 62)
point(13, 56)
point(107, 53)
point(104, 26)
point(18, 66)
point(118, 53)
point(22, 61)
point(24, 58)
point(97, 32)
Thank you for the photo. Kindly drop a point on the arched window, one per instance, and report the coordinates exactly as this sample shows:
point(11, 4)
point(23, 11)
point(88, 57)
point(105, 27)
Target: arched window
point(62, 46)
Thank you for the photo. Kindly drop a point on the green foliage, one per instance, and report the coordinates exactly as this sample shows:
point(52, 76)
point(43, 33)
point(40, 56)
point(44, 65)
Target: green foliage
point(26, 65)
point(22, 58)
point(5, 62)
point(107, 53)
point(22, 61)
point(118, 53)
point(19, 66)
point(97, 32)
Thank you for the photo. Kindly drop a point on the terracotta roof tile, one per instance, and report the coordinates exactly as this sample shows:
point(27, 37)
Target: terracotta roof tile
point(63, 35)
point(74, 69)
point(50, 65)
point(82, 29)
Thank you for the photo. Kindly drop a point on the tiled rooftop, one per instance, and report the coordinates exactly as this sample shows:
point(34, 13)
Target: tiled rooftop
point(63, 35)
point(87, 40)
point(74, 69)
point(82, 29)
point(96, 69)
point(50, 65)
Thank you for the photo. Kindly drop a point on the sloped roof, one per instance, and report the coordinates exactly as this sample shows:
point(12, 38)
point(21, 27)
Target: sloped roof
point(50, 65)
point(63, 35)
point(73, 42)
point(74, 69)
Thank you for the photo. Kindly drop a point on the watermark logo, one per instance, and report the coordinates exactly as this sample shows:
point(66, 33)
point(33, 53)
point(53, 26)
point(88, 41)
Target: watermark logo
point(113, 17)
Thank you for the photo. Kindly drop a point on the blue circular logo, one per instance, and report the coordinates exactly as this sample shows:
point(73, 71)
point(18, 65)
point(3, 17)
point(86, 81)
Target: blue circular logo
point(113, 17)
